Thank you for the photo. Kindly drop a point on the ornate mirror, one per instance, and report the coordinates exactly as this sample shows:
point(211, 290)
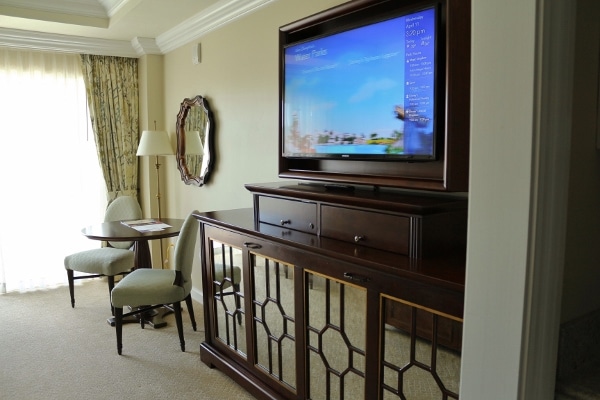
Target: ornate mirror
point(195, 130)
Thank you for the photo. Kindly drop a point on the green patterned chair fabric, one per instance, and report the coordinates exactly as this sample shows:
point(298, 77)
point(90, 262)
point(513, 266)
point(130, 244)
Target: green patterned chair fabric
point(146, 288)
point(116, 259)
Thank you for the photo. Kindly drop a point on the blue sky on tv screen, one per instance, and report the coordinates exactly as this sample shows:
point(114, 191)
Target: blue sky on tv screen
point(352, 81)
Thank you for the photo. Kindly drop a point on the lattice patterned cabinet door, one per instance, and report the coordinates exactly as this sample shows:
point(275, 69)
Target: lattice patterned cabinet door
point(273, 317)
point(336, 338)
point(420, 353)
point(228, 296)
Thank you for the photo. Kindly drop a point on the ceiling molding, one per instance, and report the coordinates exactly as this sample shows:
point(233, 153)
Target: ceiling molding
point(53, 16)
point(213, 17)
point(88, 8)
point(29, 40)
point(145, 46)
point(112, 7)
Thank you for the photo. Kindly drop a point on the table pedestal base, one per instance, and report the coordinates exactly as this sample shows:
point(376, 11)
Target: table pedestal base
point(115, 231)
point(154, 318)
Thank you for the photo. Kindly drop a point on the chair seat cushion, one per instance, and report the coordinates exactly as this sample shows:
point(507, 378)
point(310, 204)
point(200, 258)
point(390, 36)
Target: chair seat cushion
point(225, 278)
point(146, 286)
point(106, 261)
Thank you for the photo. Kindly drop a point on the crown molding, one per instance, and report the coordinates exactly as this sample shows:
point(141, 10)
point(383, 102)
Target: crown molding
point(20, 39)
point(113, 7)
point(143, 46)
point(215, 16)
point(87, 8)
point(72, 18)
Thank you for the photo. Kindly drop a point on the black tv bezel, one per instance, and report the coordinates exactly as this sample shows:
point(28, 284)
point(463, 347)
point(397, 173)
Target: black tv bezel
point(439, 83)
point(449, 171)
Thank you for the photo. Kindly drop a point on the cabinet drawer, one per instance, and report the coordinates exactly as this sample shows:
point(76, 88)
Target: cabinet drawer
point(369, 228)
point(289, 234)
point(292, 214)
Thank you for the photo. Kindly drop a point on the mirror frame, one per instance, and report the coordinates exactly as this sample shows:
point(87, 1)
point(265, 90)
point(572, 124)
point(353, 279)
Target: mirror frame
point(186, 176)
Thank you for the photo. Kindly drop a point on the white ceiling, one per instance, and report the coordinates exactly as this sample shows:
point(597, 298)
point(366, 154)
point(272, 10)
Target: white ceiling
point(128, 28)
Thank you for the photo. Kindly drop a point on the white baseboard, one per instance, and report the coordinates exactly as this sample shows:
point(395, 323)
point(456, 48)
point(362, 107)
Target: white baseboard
point(197, 295)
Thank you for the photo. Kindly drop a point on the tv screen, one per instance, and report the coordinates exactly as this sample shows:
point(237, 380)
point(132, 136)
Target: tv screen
point(366, 93)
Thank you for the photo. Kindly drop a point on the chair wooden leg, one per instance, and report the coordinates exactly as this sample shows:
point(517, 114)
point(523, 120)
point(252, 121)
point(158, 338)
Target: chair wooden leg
point(142, 318)
point(111, 285)
point(119, 328)
point(71, 286)
point(190, 307)
point(178, 320)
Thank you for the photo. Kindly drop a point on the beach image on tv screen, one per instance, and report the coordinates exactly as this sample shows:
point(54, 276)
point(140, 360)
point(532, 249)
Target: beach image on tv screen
point(365, 92)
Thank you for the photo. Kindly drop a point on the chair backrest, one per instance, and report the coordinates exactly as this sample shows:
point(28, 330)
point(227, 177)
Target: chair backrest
point(123, 208)
point(184, 249)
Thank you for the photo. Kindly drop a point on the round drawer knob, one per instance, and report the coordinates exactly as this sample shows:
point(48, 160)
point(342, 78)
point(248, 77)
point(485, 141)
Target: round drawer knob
point(358, 238)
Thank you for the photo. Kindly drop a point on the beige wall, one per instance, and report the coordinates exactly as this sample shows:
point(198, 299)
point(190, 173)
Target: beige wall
point(238, 75)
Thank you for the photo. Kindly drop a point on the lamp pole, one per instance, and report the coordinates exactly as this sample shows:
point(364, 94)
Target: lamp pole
point(155, 143)
point(157, 164)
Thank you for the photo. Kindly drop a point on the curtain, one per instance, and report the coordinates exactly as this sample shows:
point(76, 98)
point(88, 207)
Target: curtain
point(51, 181)
point(112, 93)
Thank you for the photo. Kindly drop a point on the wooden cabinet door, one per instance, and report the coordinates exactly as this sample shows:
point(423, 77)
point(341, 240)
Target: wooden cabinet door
point(307, 326)
point(251, 310)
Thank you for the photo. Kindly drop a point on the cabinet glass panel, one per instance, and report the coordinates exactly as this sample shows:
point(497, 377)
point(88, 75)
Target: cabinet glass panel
point(273, 316)
point(336, 338)
point(420, 353)
point(228, 296)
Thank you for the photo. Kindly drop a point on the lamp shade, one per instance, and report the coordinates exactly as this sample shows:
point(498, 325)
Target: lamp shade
point(154, 143)
point(193, 144)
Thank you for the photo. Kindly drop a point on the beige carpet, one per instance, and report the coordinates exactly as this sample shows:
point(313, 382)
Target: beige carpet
point(49, 350)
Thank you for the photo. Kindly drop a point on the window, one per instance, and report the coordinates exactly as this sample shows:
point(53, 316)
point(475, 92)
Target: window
point(51, 181)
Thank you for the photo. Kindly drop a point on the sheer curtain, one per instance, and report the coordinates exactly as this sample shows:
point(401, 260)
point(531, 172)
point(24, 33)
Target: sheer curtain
point(51, 180)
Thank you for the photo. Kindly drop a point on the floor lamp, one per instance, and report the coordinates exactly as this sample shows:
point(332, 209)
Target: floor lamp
point(156, 143)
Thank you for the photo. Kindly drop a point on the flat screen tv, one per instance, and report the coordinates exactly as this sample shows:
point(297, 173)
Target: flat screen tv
point(368, 92)
point(376, 92)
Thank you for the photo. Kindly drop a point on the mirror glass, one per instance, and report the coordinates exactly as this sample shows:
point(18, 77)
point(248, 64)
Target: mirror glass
point(274, 318)
point(228, 297)
point(421, 352)
point(336, 338)
point(195, 130)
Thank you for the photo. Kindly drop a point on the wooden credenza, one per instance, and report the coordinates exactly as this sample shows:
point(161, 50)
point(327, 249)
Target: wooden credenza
point(323, 293)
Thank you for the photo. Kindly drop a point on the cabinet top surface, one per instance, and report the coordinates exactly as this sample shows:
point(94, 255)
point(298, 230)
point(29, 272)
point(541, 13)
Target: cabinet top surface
point(443, 272)
point(382, 199)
